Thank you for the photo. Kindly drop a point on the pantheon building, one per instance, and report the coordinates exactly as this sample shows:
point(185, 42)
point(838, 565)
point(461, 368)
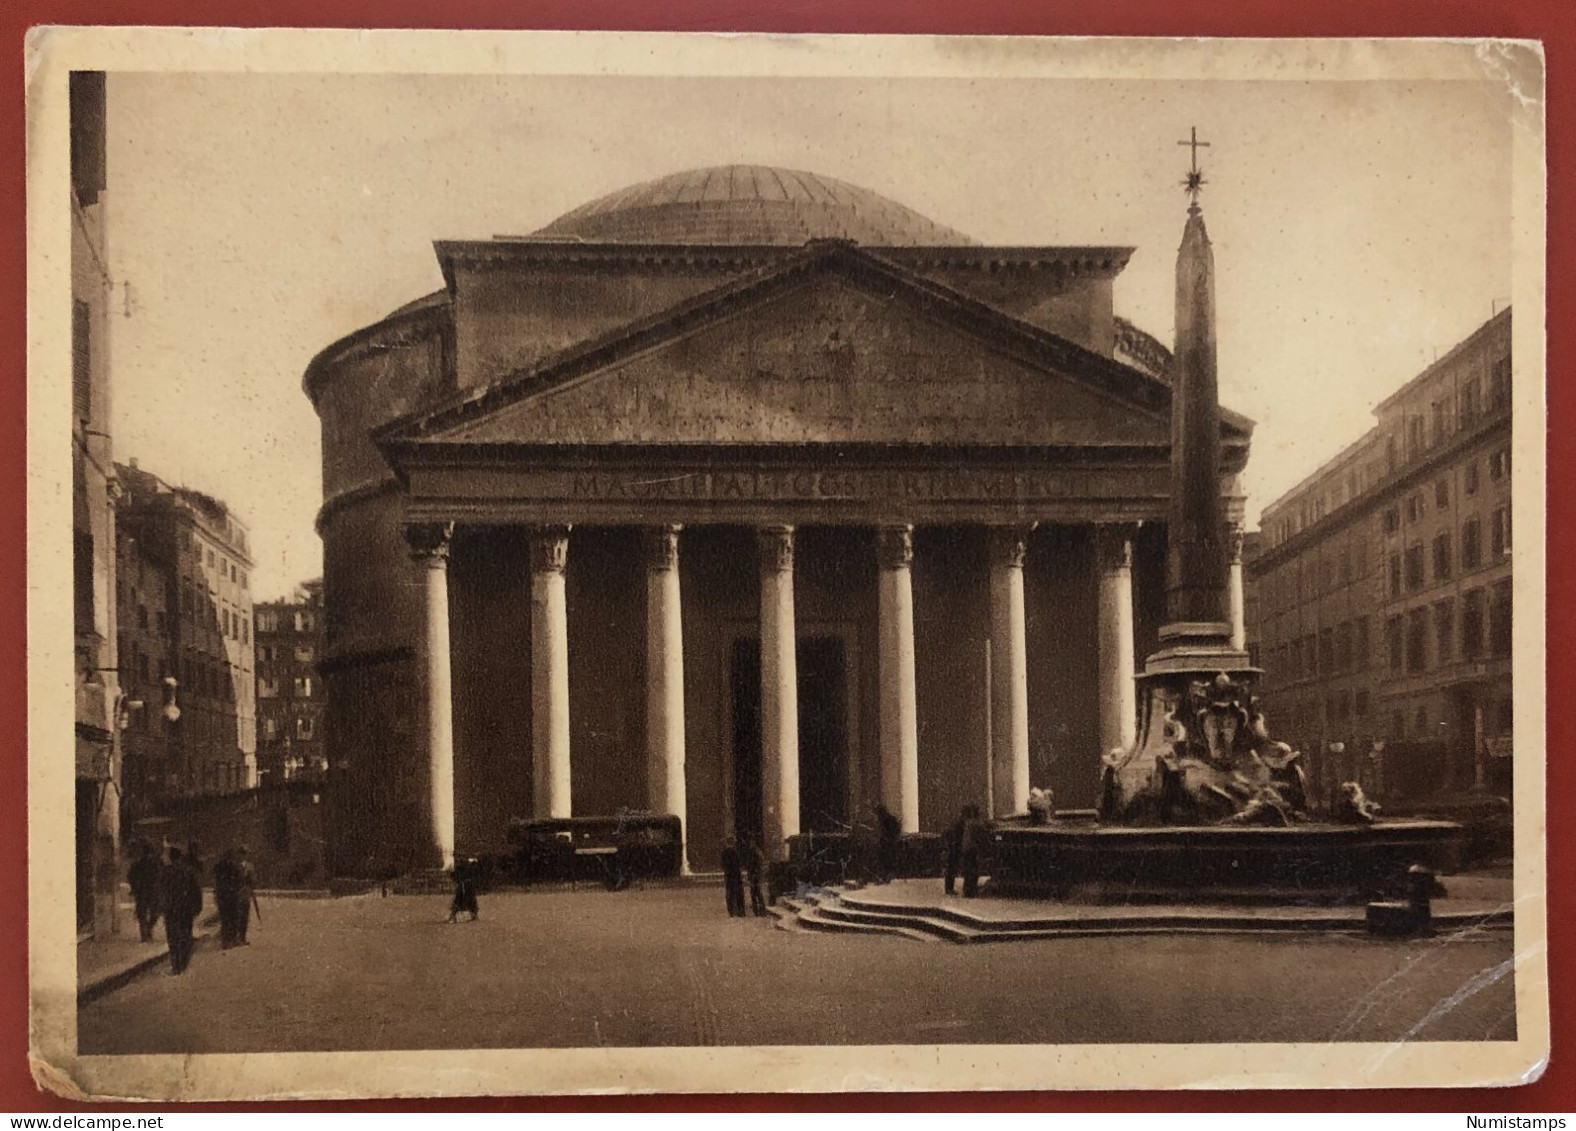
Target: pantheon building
point(746, 495)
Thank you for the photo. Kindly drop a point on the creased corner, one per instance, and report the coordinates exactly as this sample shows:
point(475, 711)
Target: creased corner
point(54, 1080)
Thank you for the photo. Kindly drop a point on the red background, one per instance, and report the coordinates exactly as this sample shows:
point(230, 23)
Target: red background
point(1553, 21)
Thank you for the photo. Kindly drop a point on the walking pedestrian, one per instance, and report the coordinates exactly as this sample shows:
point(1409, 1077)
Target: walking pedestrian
point(182, 905)
point(888, 830)
point(464, 890)
point(144, 879)
point(245, 895)
point(224, 881)
point(976, 834)
point(733, 876)
point(756, 862)
point(954, 844)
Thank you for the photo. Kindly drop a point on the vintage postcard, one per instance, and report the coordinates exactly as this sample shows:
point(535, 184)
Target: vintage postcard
point(603, 562)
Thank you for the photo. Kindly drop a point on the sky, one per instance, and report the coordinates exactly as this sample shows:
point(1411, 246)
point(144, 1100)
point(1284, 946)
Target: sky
point(1360, 228)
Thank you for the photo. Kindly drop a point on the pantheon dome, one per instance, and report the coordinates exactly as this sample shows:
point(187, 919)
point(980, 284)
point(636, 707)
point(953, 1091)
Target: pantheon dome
point(749, 205)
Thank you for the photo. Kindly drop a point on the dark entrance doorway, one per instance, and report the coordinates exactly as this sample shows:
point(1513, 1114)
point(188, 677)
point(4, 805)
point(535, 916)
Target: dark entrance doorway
point(823, 735)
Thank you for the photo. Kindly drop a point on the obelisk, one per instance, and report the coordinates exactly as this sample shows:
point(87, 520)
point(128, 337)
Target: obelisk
point(1195, 641)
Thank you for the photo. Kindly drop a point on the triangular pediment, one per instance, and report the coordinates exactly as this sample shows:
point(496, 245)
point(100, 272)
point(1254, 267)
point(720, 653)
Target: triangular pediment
point(841, 351)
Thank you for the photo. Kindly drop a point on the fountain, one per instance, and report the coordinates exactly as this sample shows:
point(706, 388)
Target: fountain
point(1206, 804)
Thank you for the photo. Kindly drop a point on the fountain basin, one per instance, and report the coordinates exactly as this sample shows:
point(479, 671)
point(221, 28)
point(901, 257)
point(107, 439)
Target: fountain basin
point(1310, 862)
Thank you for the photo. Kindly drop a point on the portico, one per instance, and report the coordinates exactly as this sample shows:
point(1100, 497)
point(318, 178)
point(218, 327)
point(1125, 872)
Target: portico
point(828, 532)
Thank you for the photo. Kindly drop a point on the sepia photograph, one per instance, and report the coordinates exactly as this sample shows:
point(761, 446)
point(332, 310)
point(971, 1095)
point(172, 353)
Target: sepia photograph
point(673, 562)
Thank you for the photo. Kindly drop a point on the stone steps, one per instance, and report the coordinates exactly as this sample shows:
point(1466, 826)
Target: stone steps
point(833, 911)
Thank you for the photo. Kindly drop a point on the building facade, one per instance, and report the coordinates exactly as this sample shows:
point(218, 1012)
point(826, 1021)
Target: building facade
point(289, 643)
point(98, 691)
point(186, 613)
point(745, 495)
point(1383, 587)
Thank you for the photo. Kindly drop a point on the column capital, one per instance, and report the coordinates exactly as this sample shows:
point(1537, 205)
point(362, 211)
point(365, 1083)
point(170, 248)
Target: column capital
point(776, 548)
point(661, 546)
point(429, 541)
point(1009, 545)
point(895, 546)
point(549, 549)
point(1114, 546)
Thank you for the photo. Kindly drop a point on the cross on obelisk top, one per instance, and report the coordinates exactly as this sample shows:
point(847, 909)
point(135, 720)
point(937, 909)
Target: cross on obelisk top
point(1194, 183)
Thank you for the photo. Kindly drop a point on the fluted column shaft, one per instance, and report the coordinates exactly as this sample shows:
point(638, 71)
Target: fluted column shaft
point(551, 796)
point(899, 713)
point(1009, 674)
point(665, 679)
point(779, 693)
point(1118, 691)
point(429, 545)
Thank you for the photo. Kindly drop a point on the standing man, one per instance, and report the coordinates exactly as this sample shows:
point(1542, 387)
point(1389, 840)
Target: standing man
point(182, 905)
point(733, 877)
point(144, 880)
point(224, 880)
point(954, 842)
point(245, 894)
point(976, 838)
point(888, 830)
point(757, 870)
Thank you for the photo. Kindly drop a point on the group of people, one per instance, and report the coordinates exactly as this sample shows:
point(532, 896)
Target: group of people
point(168, 885)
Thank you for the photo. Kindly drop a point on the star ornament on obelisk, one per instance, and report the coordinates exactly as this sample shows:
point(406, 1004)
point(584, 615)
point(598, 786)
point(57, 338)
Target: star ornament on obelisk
point(1194, 182)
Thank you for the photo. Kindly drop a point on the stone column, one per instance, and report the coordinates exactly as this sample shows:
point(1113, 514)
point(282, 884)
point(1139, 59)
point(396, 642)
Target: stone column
point(550, 796)
point(899, 714)
point(1009, 706)
point(665, 678)
point(1235, 613)
point(779, 693)
point(429, 545)
point(1118, 691)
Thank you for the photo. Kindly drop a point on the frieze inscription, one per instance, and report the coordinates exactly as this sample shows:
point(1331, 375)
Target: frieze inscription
point(840, 484)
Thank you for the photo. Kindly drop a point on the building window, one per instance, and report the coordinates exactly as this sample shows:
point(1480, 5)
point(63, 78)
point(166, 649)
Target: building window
point(1499, 633)
point(1360, 705)
point(1414, 567)
point(1469, 403)
point(82, 360)
point(1362, 643)
point(267, 622)
point(1471, 544)
point(303, 654)
point(1444, 628)
point(1499, 384)
point(270, 729)
point(142, 617)
point(1422, 722)
point(1442, 494)
point(1414, 436)
point(303, 687)
point(1499, 536)
point(1393, 634)
point(303, 622)
point(1437, 411)
point(1343, 647)
point(1392, 521)
point(1417, 640)
point(1499, 464)
point(1395, 575)
point(1414, 507)
point(303, 728)
point(268, 688)
point(1346, 567)
point(1471, 477)
point(1442, 557)
point(1326, 651)
point(1472, 624)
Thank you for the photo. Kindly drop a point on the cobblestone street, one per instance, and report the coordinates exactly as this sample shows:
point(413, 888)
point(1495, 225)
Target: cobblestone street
point(665, 966)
